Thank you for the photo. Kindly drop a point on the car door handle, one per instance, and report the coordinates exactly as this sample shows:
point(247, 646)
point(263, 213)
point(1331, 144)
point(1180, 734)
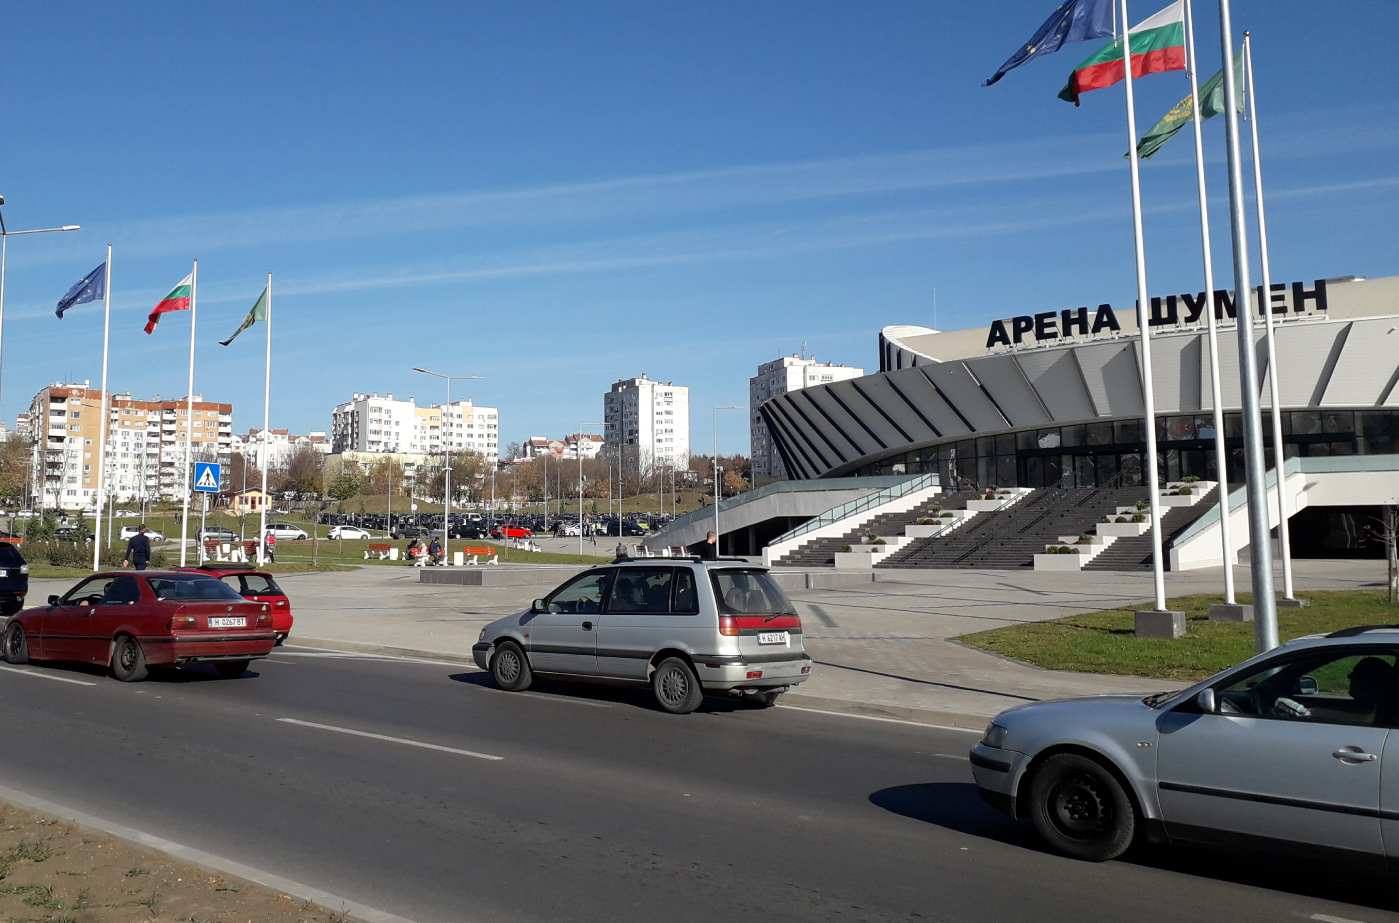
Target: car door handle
point(587, 626)
point(1354, 755)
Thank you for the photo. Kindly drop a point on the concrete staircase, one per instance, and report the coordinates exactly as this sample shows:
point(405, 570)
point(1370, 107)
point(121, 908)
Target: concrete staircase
point(821, 552)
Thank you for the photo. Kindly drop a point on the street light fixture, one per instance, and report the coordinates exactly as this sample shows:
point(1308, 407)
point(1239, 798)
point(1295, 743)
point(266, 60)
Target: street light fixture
point(446, 453)
point(578, 450)
point(5, 235)
point(716, 471)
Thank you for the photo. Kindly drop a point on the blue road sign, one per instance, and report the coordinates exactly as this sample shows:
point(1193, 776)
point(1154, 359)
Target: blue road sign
point(206, 477)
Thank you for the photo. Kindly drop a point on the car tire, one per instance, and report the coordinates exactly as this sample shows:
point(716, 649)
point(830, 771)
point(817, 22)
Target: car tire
point(676, 687)
point(16, 644)
point(128, 660)
point(231, 669)
point(1080, 808)
point(510, 667)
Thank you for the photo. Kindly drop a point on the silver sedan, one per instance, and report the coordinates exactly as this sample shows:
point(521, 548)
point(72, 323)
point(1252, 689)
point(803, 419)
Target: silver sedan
point(1290, 748)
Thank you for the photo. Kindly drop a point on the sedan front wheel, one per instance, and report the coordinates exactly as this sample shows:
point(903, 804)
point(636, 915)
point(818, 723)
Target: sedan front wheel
point(509, 668)
point(1080, 809)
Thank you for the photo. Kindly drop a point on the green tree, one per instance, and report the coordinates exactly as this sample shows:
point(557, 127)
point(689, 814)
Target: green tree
point(345, 485)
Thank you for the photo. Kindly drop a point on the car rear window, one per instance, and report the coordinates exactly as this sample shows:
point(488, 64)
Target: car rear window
point(192, 587)
point(740, 591)
point(10, 556)
point(253, 583)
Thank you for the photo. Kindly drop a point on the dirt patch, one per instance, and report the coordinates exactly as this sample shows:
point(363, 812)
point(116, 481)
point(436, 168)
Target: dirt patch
point(53, 870)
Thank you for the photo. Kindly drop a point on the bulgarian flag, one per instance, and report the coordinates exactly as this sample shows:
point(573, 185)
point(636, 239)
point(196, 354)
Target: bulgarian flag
point(177, 300)
point(1157, 45)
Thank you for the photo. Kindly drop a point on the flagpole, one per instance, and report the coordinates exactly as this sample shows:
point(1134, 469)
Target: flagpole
point(1143, 319)
point(102, 418)
point(189, 409)
point(266, 418)
point(1221, 459)
point(1265, 623)
point(1265, 301)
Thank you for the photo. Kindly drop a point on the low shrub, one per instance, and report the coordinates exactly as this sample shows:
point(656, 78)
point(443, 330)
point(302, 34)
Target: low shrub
point(926, 521)
point(1138, 517)
point(845, 548)
point(947, 514)
point(1190, 479)
point(879, 541)
point(1061, 549)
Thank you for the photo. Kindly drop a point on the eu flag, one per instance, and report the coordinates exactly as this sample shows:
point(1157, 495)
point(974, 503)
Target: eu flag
point(89, 288)
point(1073, 21)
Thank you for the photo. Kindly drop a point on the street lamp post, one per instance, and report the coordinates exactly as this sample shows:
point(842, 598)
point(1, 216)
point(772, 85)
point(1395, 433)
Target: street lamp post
point(446, 453)
point(578, 450)
point(716, 471)
point(5, 235)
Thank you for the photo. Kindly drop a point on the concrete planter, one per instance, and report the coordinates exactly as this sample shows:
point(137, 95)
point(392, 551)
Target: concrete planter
point(926, 531)
point(859, 560)
point(985, 506)
point(1122, 529)
point(1059, 562)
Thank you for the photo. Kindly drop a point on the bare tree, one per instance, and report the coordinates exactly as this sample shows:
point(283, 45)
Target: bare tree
point(1385, 530)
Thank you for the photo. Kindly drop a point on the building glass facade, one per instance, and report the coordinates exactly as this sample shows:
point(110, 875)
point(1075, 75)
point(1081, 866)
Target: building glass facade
point(1112, 453)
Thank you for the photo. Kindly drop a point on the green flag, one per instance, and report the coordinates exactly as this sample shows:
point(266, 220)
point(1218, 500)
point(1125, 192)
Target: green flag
point(1211, 104)
point(258, 312)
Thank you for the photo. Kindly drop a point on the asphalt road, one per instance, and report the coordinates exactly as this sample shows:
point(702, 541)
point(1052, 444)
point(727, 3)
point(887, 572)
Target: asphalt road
point(453, 801)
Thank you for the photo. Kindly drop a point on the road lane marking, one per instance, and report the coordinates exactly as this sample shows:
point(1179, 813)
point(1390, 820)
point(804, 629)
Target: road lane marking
point(333, 903)
point(952, 756)
point(57, 679)
point(842, 714)
point(1327, 918)
point(393, 740)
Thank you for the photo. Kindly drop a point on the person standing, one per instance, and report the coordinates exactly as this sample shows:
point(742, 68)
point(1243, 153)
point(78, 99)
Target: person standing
point(269, 547)
point(709, 549)
point(138, 550)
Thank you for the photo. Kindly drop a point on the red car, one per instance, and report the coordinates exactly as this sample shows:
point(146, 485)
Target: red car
point(133, 620)
point(256, 585)
point(511, 530)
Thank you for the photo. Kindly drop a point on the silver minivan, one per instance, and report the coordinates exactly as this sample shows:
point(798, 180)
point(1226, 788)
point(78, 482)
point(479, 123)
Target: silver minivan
point(684, 626)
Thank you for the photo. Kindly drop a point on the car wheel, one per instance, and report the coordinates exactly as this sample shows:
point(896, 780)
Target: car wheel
point(16, 644)
point(676, 686)
point(128, 660)
point(510, 668)
point(1080, 809)
point(231, 669)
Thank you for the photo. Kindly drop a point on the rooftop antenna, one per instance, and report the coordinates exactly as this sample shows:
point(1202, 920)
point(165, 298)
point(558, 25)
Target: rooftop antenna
point(802, 354)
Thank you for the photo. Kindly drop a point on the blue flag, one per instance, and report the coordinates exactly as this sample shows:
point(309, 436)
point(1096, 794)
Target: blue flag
point(1074, 21)
point(89, 288)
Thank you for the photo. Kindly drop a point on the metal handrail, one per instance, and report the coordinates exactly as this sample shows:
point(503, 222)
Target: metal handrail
point(860, 504)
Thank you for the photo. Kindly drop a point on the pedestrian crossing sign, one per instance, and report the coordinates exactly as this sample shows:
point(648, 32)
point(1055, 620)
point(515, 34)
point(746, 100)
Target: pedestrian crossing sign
point(206, 477)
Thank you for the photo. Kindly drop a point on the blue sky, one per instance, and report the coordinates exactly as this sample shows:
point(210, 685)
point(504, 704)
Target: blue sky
point(556, 195)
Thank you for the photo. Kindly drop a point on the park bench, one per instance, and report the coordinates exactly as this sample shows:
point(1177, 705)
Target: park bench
point(480, 554)
point(382, 551)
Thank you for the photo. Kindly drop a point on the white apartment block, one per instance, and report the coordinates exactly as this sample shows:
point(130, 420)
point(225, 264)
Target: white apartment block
point(780, 376)
point(382, 423)
point(650, 419)
point(281, 445)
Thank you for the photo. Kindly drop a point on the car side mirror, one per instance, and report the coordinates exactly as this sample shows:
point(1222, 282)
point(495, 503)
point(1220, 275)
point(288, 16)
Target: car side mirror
point(53, 599)
point(1206, 701)
point(538, 606)
point(1307, 686)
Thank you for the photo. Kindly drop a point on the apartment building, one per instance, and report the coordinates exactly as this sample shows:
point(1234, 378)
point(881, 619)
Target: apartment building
point(783, 376)
point(649, 421)
point(145, 444)
point(383, 423)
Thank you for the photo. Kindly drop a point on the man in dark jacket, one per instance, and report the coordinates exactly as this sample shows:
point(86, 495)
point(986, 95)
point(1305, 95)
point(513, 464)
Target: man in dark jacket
point(138, 550)
point(709, 548)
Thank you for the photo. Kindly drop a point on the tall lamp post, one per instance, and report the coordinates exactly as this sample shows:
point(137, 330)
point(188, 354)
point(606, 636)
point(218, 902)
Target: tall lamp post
point(446, 451)
point(717, 540)
point(578, 450)
point(5, 235)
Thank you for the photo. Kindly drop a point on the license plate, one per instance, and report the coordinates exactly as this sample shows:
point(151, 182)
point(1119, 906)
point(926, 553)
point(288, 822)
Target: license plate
point(772, 637)
point(232, 621)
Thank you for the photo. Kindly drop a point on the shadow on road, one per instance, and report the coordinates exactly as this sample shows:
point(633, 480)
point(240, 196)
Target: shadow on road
point(957, 806)
point(926, 682)
point(633, 696)
point(194, 673)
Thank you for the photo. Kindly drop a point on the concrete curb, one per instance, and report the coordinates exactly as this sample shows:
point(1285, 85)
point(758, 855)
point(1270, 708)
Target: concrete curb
point(927, 716)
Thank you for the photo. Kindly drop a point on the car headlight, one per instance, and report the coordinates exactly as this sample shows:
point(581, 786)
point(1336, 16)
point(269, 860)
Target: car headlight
point(482, 635)
point(995, 736)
